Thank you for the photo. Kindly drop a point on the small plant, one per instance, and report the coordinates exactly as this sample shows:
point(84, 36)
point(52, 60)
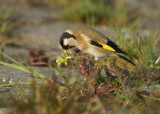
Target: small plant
point(63, 59)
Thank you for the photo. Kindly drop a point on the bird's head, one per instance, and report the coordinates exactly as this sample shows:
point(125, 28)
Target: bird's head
point(68, 40)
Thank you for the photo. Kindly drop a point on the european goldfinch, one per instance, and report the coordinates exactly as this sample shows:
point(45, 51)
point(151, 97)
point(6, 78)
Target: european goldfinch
point(92, 42)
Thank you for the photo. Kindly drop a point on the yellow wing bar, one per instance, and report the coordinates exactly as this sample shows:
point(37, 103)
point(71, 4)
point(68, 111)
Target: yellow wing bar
point(105, 46)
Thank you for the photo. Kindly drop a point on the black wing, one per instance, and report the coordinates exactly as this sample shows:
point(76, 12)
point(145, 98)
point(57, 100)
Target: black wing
point(125, 58)
point(115, 47)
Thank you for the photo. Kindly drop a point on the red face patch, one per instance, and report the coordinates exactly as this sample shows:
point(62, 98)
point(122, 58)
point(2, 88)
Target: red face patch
point(67, 47)
point(64, 47)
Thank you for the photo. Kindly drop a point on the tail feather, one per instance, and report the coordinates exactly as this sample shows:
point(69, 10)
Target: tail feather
point(125, 58)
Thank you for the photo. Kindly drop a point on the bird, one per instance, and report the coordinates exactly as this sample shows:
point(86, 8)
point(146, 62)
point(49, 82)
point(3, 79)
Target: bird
point(90, 41)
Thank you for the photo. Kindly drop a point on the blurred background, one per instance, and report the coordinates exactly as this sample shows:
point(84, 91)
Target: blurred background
point(103, 12)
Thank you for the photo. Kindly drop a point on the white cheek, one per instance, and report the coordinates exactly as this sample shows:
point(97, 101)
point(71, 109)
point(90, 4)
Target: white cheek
point(70, 42)
point(65, 42)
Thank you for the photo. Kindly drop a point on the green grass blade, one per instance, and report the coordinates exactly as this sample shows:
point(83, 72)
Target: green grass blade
point(20, 83)
point(58, 72)
point(25, 69)
point(11, 59)
point(20, 66)
point(15, 66)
